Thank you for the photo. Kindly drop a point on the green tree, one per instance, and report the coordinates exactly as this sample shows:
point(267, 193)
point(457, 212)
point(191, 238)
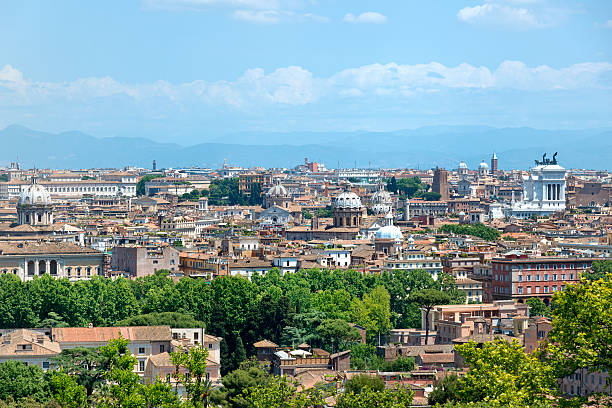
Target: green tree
point(537, 307)
point(65, 390)
point(599, 270)
point(239, 354)
point(502, 373)
point(194, 380)
point(360, 382)
point(392, 185)
point(281, 392)
point(476, 230)
point(400, 397)
point(377, 305)
point(581, 327)
point(159, 394)
point(236, 382)
point(140, 186)
point(427, 299)
point(431, 196)
point(125, 389)
point(19, 380)
point(403, 364)
point(335, 332)
point(444, 391)
point(86, 365)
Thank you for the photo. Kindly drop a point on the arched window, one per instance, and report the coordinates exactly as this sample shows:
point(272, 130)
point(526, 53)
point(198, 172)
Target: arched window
point(30, 268)
point(88, 270)
point(78, 270)
point(42, 267)
point(53, 267)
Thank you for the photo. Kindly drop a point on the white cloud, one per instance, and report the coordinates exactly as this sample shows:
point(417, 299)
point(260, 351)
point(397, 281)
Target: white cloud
point(295, 86)
point(605, 24)
point(253, 11)
point(500, 15)
point(371, 17)
point(201, 5)
point(276, 16)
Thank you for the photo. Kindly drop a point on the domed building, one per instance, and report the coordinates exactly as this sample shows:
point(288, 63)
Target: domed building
point(462, 169)
point(276, 195)
point(348, 210)
point(388, 239)
point(389, 231)
point(483, 169)
point(34, 206)
point(381, 202)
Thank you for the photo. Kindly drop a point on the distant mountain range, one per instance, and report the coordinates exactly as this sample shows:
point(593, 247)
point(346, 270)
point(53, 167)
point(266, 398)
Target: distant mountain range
point(424, 148)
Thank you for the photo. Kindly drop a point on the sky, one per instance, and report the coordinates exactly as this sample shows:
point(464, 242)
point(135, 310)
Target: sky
point(189, 71)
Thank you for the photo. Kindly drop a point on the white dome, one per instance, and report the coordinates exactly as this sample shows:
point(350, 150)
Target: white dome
point(483, 165)
point(389, 232)
point(348, 200)
point(277, 190)
point(381, 202)
point(462, 165)
point(34, 194)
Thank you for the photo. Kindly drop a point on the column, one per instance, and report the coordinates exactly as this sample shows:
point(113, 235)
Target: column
point(36, 271)
point(48, 267)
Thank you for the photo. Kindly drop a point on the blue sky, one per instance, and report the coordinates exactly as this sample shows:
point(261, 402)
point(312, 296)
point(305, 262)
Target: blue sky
point(191, 70)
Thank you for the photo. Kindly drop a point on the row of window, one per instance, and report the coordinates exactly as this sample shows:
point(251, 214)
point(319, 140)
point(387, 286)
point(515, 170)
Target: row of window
point(537, 267)
point(545, 277)
point(537, 289)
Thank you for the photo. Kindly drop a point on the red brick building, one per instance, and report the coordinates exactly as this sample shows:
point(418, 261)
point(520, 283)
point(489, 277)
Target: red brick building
point(519, 277)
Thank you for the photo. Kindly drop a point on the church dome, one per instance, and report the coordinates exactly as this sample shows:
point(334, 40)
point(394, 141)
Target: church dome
point(348, 200)
point(483, 166)
point(389, 231)
point(381, 201)
point(463, 165)
point(34, 194)
point(277, 190)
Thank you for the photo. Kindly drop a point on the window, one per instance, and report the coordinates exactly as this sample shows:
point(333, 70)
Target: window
point(554, 277)
point(141, 350)
point(210, 345)
point(545, 276)
point(45, 365)
point(162, 348)
point(538, 278)
point(195, 335)
point(141, 365)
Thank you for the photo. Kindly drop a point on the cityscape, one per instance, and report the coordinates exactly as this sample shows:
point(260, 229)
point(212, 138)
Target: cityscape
point(340, 226)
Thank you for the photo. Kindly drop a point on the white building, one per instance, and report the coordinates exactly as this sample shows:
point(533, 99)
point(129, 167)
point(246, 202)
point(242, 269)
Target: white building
point(543, 190)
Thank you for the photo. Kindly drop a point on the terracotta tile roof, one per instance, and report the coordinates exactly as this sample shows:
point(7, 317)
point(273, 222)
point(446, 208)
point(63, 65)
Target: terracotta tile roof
point(28, 247)
point(265, 344)
point(40, 344)
point(104, 334)
point(430, 358)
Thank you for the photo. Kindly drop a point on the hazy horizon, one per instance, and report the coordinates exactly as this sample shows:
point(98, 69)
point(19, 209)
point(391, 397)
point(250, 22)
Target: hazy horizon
point(182, 70)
